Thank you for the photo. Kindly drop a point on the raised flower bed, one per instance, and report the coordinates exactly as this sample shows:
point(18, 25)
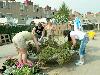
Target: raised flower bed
point(52, 51)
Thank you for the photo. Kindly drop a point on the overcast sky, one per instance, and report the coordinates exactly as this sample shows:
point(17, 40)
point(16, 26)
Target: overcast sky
point(81, 6)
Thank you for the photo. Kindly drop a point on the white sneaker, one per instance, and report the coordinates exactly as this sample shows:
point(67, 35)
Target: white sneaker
point(79, 63)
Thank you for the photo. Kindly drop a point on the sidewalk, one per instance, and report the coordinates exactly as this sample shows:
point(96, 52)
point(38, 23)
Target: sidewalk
point(7, 50)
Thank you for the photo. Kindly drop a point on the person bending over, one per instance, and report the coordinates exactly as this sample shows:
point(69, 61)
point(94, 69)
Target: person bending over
point(19, 40)
point(80, 35)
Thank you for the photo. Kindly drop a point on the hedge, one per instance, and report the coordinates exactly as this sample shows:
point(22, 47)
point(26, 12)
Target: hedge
point(6, 29)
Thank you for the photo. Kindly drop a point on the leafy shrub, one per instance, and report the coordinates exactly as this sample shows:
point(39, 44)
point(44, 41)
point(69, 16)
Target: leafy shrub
point(10, 62)
point(52, 50)
point(11, 68)
point(26, 70)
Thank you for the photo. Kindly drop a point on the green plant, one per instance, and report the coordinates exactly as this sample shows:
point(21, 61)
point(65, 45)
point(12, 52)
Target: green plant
point(52, 50)
point(49, 42)
point(62, 15)
point(11, 67)
point(46, 53)
point(10, 62)
point(26, 70)
point(8, 71)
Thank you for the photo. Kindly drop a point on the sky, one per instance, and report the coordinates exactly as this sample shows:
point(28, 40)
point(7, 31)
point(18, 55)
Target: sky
point(81, 6)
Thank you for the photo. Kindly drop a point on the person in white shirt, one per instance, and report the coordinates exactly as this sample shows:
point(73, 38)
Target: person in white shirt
point(84, 40)
point(19, 40)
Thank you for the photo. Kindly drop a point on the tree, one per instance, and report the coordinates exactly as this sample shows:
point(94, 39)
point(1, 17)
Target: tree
point(62, 15)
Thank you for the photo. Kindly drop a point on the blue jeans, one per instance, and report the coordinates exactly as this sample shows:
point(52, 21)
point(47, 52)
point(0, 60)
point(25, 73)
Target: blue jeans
point(84, 41)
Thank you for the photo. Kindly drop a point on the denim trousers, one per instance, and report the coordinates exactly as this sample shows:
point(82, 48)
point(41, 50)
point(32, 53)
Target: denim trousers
point(84, 41)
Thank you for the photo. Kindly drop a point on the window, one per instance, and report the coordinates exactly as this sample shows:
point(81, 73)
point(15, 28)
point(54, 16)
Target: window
point(4, 4)
point(12, 0)
point(23, 17)
point(1, 4)
point(37, 10)
point(22, 7)
point(37, 17)
point(2, 16)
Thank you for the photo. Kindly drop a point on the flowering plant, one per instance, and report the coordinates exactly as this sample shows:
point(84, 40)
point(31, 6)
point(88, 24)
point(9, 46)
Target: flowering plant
point(13, 67)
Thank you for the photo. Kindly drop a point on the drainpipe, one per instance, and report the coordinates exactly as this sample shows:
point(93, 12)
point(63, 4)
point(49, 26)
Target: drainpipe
point(98, 26)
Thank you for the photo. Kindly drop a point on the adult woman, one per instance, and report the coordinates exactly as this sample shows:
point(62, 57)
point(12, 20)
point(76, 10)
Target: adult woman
point(84, 40)
point(19, 41)
point(39, 32)
point(50, 30)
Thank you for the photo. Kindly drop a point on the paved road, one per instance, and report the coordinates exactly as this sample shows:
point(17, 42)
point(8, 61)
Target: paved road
point(7, 50)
